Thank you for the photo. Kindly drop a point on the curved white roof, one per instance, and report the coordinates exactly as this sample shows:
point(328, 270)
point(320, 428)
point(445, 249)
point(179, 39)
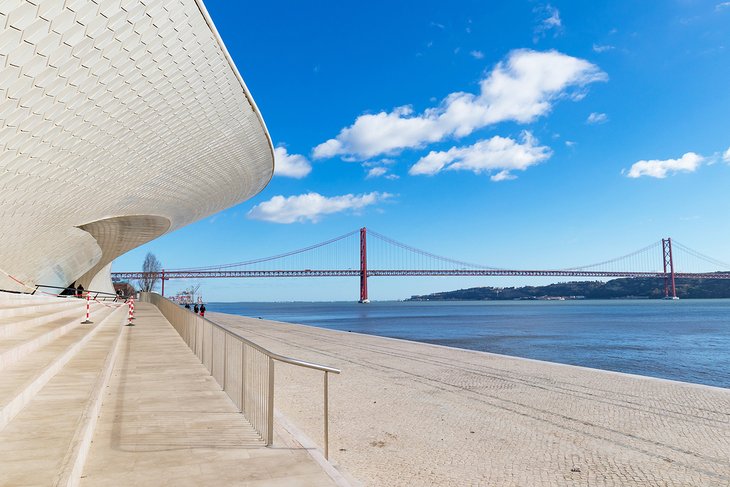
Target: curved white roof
point(118, 121)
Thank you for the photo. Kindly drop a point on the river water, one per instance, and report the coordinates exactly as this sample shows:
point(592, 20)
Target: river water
point(686, 340)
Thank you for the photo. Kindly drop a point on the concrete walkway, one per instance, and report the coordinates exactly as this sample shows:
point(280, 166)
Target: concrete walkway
point(165, 421)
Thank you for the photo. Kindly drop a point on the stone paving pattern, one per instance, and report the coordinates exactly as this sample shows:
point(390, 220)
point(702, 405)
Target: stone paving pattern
point(412, 414)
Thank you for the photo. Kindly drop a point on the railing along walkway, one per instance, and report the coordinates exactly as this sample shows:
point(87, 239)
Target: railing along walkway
point(243, 369)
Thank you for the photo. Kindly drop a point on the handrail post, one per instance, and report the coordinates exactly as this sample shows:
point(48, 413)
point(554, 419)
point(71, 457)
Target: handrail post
point(270, 426)
point(225, 358)
point(326, 417)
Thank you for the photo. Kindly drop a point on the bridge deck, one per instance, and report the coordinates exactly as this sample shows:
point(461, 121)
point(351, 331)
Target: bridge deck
point(165, 421)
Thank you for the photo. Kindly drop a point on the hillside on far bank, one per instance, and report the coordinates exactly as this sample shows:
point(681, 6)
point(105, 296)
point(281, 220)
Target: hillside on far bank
point(626, 288)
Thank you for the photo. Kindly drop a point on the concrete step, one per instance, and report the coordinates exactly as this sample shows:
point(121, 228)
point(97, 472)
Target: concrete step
point(46, 443)
point(22, 380)
point(26, 341)
point(17, 310)
point(10, 326)
point(8, 298)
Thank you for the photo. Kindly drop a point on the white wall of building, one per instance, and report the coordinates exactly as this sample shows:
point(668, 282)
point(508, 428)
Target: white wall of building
point(108, 113)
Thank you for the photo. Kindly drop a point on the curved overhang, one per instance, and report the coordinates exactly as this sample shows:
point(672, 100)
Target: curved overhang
point(110, 111)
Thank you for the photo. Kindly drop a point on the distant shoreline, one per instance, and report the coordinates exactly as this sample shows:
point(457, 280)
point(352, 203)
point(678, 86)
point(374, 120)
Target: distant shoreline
point(624, 288)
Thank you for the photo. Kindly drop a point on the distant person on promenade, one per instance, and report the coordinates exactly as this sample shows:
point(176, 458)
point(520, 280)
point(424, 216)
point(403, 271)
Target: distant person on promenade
point(202, 310)
point(195, 308)
point(187, 305)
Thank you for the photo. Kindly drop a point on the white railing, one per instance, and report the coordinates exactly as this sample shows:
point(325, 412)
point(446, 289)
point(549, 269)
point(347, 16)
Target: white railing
point(243, 369)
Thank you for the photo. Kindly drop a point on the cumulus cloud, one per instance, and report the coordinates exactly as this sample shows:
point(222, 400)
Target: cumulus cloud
point(661, 169)
point(477, 54)
point(722, 6)
point(602, 48)
point(520, 89)
point(290, 165)
point(498, 156)
point(596, 118)
point(311, 206)
point(726, 155)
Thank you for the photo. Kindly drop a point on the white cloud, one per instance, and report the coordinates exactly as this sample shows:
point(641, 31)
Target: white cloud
point(596, 118)
point(522, 88)
point(602, 48)
point(549, 19)
point(722, 5)
point(290, 165)
point(375, 172)
point(570, 143)
point(379, 162)
point(661, 169)
point(311, 206)
point(498, 154)
point(380, 171)
point(726, 155)
point(477, 54)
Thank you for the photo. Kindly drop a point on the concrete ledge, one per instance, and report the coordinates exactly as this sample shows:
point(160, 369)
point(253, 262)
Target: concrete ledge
point(287, 428)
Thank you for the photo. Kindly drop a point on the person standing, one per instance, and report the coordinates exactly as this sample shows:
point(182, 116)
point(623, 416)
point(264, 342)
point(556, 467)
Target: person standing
point(202, 310)
point(195, 308)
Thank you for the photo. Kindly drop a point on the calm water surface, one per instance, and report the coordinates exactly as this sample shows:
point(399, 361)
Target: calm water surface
point(686, 340)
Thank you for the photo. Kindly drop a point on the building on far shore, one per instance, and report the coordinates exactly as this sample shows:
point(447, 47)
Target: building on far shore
point(117, 125)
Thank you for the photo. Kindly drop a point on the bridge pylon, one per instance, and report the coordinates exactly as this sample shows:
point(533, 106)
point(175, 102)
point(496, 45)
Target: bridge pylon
point(669, 276)
point(364, 265)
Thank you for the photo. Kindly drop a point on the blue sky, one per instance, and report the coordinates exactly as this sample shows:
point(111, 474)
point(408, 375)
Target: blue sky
point(516, 134)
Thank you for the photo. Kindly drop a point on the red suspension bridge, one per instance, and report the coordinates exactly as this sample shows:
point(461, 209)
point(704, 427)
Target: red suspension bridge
point(353, 255)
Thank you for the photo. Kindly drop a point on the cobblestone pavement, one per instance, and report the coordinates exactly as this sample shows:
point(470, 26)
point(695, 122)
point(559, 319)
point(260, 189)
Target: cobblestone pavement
point(412, 414)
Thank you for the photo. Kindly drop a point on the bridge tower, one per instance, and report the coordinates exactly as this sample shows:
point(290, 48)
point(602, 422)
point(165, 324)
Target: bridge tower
point(668, 269)
point(364, 265)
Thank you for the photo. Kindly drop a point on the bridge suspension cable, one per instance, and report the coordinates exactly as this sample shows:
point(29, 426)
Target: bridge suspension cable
point(683, 249)
point(644, 259)
point(427, 255)
point(267, 259)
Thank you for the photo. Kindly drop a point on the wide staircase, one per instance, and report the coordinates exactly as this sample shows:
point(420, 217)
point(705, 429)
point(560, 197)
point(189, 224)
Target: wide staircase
point(52, 371)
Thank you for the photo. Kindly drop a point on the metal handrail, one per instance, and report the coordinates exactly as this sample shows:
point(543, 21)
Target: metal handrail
point(272, 356)
point(268, 353)
point(96, 294)
point(291, 361)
